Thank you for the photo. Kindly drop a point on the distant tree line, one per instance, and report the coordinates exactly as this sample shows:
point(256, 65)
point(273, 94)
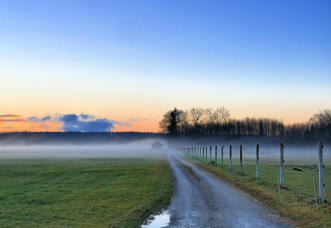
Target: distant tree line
point(198, 121)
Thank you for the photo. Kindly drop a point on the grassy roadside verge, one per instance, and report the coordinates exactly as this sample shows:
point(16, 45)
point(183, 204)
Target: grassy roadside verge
point(82, 193)
point(300, 213)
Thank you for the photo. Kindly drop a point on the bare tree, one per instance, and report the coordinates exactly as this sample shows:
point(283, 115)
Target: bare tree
point(211, 116)
point(322, 118)
point(198, 121)
point(183, 123)
point(222, 115)
point(196, 115)
point(322, 122)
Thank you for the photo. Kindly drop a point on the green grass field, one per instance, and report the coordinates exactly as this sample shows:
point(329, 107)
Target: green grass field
point(300, 181)
point(295, 200)
point(82, 193)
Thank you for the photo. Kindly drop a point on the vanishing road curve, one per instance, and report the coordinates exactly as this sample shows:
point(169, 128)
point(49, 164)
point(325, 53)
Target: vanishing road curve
point(201, 200)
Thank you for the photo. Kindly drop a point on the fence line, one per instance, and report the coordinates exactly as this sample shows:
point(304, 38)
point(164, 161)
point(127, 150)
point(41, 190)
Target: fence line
point(290, 181)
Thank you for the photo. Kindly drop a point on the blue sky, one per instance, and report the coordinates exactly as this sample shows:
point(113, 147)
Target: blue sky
point(257, 58)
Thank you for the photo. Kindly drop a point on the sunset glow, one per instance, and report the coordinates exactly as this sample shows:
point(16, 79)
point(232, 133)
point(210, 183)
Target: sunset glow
point(130, 63)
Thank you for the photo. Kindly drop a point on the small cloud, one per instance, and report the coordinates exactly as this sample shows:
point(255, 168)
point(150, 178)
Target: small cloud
point(9, 116)
point(12, 120)
point(46, 118)
point(33, 119)
point(38, 120)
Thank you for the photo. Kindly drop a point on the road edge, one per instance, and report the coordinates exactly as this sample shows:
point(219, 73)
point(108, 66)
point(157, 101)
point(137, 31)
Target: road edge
point(295, 217)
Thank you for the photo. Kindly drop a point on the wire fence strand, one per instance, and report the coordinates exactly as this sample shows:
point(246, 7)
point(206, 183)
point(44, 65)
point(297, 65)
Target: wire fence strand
point(301, 173)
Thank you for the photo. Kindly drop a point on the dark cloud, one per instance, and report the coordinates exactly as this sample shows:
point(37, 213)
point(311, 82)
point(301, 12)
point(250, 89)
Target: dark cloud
point(86, 116)
point(86, 123)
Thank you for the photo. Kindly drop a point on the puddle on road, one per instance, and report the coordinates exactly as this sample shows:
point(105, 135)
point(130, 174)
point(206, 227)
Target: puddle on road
point(158, 221)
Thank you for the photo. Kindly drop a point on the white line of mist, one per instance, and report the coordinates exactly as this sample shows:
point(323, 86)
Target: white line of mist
point(134, 149)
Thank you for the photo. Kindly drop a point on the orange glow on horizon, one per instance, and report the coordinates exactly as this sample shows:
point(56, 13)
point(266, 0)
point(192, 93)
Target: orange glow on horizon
point(26, 126)
point(143, 126)
point(52, 126)
point(18, 124)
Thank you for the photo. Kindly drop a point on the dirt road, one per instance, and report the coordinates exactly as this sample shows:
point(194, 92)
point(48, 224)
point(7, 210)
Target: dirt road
point(201, 200)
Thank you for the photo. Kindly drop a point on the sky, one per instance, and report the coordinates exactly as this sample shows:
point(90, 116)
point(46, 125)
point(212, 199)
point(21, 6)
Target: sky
point(120, 65)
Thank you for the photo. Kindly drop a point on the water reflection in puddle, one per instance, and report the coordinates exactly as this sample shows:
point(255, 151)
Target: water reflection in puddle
point(158, 221)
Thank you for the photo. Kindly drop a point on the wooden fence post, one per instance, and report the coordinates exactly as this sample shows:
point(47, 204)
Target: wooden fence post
point(230, 156)
point(257, 161)
point(282, 164)
point(321, 170)
point(203, 153)
point(210, 157)
point(222, 156)
point(216, 155)
point(241, 160)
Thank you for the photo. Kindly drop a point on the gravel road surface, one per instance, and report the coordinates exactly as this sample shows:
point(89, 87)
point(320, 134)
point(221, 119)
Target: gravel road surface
point(201, 200)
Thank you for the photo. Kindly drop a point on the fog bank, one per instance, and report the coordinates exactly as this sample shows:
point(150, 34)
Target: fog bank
point(134, 149)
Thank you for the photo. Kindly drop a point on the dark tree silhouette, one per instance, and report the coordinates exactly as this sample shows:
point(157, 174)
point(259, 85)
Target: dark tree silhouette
point(198, 121)
point(170, 124)
point(322, 123)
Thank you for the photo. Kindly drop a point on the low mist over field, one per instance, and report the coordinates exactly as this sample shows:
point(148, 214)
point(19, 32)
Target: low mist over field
point(139, 148)
point(269, 147)
point(98, 145)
